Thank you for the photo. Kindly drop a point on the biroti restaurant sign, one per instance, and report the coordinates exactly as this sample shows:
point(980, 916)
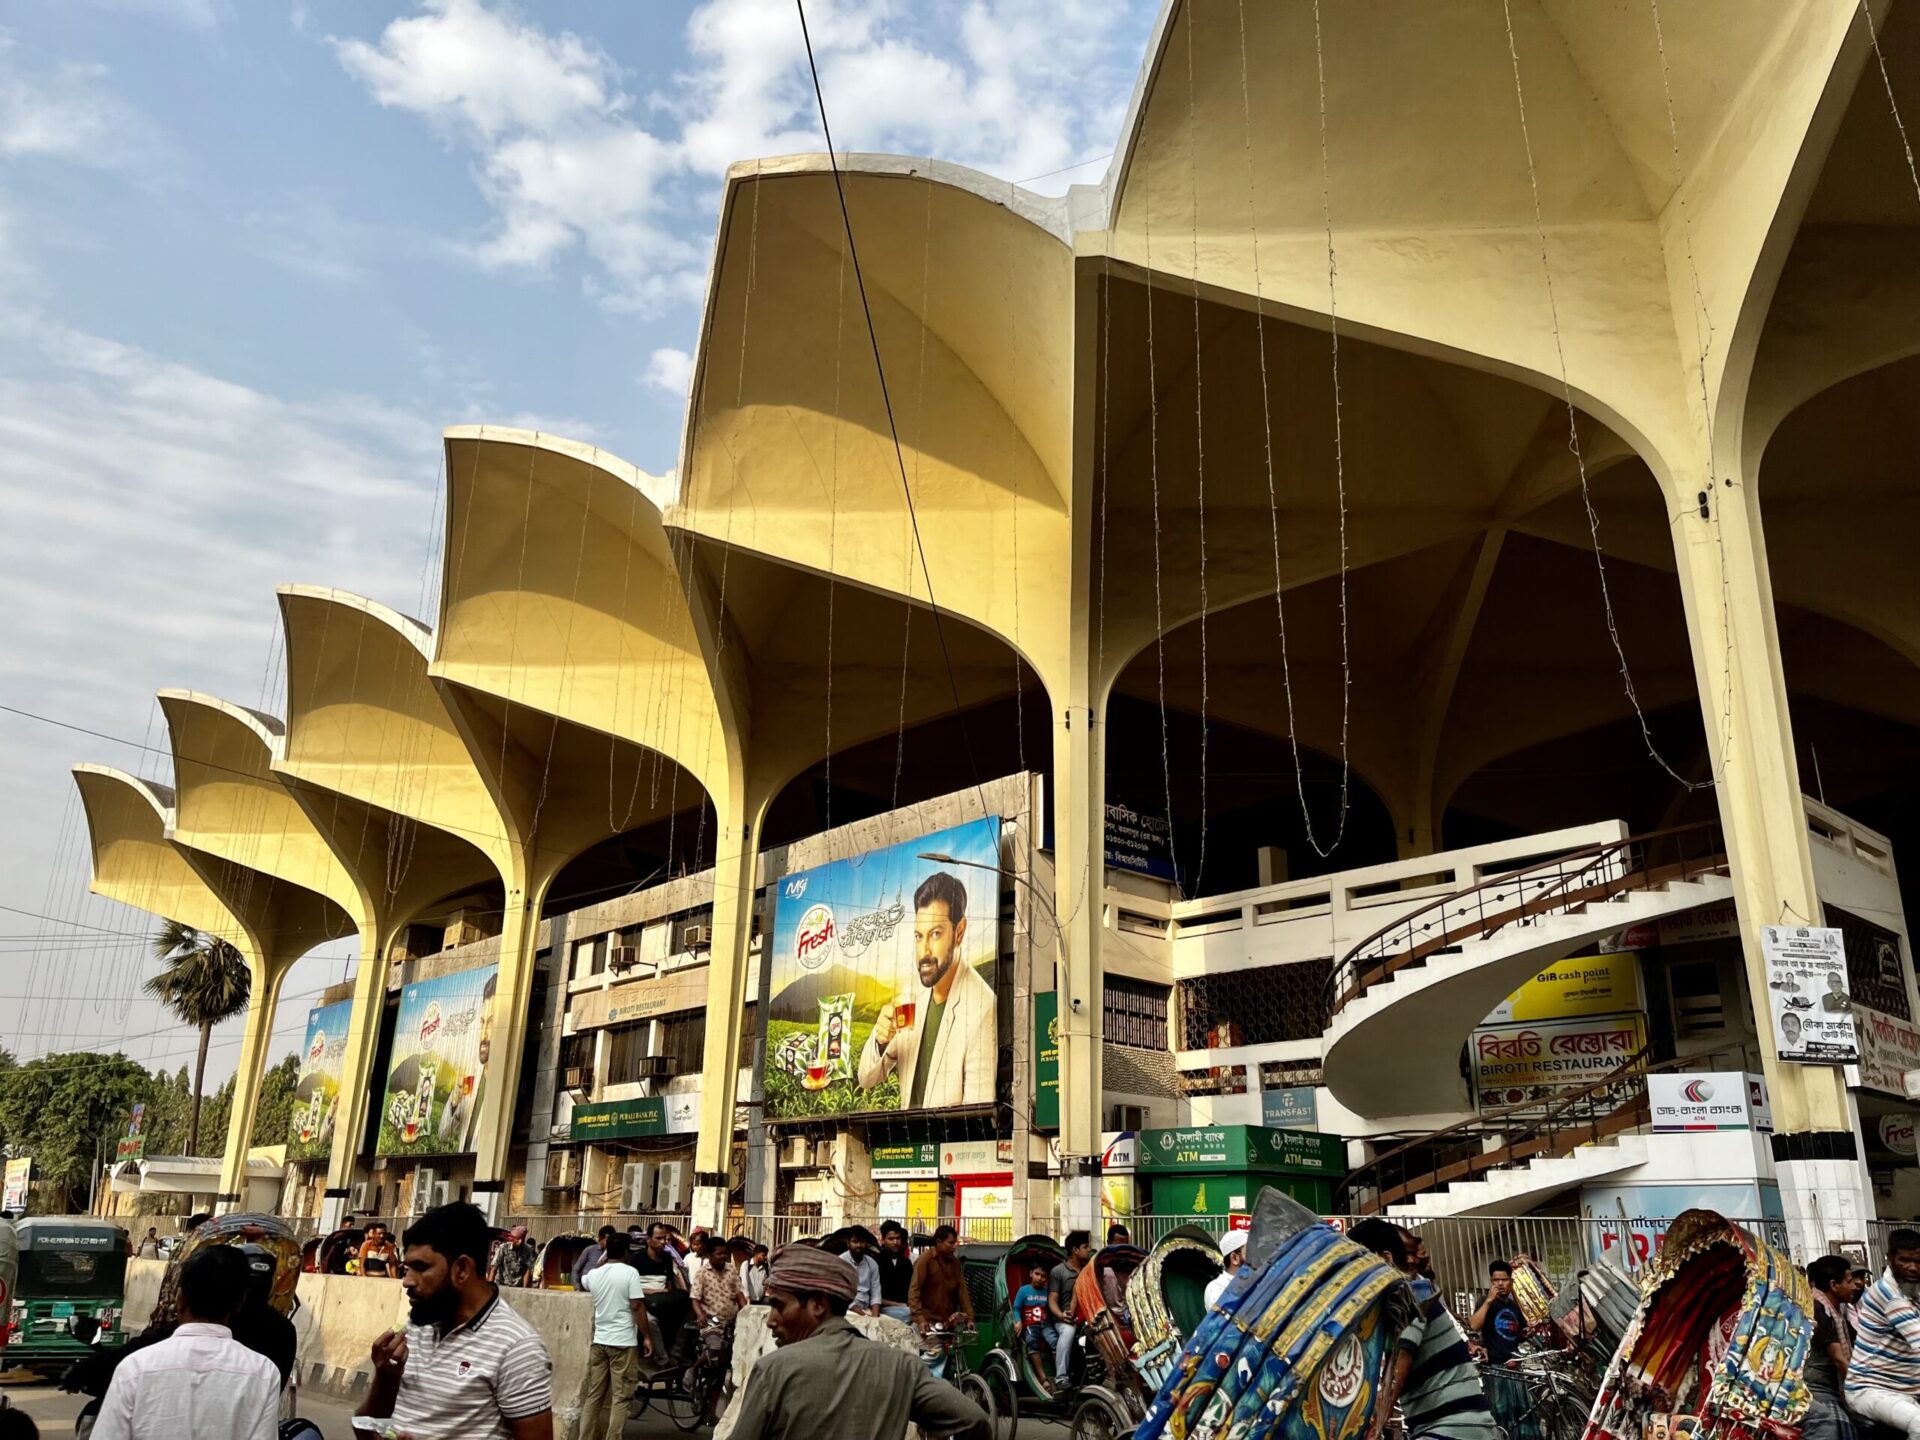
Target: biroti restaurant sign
point(1518, 1064)
point(641, 999)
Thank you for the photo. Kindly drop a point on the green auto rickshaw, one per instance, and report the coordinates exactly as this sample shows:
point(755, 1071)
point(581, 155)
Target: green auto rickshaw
point(72, 1267)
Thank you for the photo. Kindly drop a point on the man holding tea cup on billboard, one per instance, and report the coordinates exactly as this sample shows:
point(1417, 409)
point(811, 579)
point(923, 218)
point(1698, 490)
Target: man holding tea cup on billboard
point(940, 1035)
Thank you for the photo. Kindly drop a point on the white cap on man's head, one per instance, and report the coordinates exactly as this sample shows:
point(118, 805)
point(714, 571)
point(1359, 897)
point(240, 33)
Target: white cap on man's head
point(1232, 1243)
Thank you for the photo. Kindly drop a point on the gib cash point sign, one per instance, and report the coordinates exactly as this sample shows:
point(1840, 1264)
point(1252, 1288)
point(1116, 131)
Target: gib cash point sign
point(316, 1090)
point(880, 980)
point(442, 1040)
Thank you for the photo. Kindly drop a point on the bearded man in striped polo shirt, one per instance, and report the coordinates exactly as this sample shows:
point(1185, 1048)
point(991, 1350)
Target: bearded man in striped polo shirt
point(1883, 1372)
point(468, 1367)
point(1433, 1375)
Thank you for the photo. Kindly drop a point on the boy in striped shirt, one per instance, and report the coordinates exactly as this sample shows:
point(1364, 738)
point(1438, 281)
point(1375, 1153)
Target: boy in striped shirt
point(1883, 1373)
point(1433, 1376)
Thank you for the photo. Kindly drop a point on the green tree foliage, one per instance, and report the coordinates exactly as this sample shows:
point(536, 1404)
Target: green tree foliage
point(204, 981)
point(270, 1122)
point(61, 1109)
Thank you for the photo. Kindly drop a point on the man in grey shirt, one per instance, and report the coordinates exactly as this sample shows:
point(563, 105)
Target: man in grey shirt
point(828, 1378)
point(1060, 1300)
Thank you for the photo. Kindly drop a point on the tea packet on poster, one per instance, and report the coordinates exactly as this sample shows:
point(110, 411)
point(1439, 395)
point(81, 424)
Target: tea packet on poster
point(835, 1045)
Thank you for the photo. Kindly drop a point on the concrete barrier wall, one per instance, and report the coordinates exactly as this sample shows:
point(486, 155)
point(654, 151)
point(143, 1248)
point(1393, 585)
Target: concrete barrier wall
point(340, 1315)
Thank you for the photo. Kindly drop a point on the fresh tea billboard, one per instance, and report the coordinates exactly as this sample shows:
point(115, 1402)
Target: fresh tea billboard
point(316, 1091)
point(442, 1039)
point(882, 979)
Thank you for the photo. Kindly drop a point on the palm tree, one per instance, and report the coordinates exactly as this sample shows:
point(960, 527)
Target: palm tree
point(206, 981)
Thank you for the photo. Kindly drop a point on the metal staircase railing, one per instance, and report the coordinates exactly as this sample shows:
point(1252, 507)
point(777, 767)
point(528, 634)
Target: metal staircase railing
point(1561, 885)
point(1508, 1138)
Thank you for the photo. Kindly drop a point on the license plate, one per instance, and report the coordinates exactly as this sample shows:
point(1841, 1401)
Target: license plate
point(63, 1310)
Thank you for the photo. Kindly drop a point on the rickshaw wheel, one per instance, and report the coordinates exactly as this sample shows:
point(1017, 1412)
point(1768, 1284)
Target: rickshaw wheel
point(1095, 1420)
point(1006, 1399)
point(977, 1390)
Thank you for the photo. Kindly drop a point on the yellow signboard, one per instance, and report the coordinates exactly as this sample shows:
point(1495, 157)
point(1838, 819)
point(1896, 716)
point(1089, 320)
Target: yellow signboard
point(1589, 985)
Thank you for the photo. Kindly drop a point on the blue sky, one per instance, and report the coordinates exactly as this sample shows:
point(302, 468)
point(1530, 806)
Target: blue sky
point(254, 254)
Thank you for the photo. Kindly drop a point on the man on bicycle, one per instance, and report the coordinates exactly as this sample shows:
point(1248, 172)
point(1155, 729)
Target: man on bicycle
point(1433, 1375)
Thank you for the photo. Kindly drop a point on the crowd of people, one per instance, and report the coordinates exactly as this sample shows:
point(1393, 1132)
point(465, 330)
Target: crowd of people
point(466, 1365)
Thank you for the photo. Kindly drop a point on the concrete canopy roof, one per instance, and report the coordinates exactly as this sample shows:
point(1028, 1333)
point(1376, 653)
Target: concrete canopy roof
point(566, 649)
point(795, 460)
point(228, 802)
point(375, 760)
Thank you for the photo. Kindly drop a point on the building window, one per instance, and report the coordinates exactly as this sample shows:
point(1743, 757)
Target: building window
point(683, 1040)
point(576, 1051)
point(599, 965)
point(626, 1048)
point(1134, 1012)
point(1876, 971)
point(1255, 1007)
point(1698, 1007)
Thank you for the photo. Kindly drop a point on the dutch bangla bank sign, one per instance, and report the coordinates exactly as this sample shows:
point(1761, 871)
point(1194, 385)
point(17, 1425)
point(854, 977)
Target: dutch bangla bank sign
point(1717, 1100)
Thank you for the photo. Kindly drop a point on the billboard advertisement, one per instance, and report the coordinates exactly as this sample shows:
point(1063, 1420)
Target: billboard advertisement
point(1589, 985)
point(1528, 1064)
point(442, 1040)
point(881, 978)
point(132, 1144)
point(19, 1181)
point(316, 1090)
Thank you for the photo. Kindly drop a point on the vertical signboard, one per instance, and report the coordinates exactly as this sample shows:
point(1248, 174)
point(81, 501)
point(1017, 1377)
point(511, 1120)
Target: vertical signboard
point(1046, 1060)
point(442, 1040)
point(882, 990)
point(19, 1180)
point(316, 1090)
point(1807, 994)
point(132, 1144)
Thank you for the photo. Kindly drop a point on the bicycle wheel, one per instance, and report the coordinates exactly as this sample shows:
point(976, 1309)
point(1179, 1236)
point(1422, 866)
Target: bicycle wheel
point(1005, 1391)
point(686, 1411)
point(977, 1390)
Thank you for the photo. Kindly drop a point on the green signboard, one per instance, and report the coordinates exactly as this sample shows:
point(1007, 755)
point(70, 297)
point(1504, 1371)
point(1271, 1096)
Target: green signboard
point(912, 1155)
point(1046, 1060)
point(1242, 1148)
point(620, 1119)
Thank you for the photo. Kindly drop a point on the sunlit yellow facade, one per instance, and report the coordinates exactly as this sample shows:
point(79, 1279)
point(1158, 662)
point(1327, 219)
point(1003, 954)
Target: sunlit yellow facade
point(1116, 413)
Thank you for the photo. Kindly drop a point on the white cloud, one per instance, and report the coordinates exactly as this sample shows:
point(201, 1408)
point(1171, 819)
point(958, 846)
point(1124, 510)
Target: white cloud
point(67, 114)
point(569, 160)
point(669, 371)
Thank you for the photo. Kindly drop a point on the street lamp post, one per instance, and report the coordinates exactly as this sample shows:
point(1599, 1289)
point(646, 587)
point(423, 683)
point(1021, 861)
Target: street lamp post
point(1081, 1173)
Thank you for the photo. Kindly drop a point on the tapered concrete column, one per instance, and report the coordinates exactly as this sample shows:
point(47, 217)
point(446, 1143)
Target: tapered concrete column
point(737, 848)
point(1079, 885)
point(1824, 1185)
point(356, 1077)
point(500, 1066)
point(269, 972)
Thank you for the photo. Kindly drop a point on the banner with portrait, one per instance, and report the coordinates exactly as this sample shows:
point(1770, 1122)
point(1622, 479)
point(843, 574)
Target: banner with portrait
point(881, 973)
point(316, 1089)
point(442, 1040)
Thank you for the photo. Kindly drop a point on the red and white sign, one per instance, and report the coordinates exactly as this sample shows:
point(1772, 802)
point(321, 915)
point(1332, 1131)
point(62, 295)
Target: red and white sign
point(813, 941)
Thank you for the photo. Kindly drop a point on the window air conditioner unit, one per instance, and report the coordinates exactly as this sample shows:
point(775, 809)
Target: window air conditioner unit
point(622, 958)
point(1129, 1117)
point(577, 1077)
point(659, 1067)
point(422, 1193)
point(563, 1169)
point(697, 937)
point(797, 1153)
point(636, 1185)
point(442, 1192)
point(673, 1186)
point(357, 1200)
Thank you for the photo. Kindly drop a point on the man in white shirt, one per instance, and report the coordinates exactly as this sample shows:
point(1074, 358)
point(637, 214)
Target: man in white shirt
point(619, 1334)
point(1233, 1259)
point(200, 1381)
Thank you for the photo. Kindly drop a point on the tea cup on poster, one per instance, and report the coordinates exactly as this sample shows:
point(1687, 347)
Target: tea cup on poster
point(903, 1014)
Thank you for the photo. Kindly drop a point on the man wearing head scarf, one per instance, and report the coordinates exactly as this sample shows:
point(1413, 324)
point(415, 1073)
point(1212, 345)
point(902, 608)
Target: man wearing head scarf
point(827, 1378)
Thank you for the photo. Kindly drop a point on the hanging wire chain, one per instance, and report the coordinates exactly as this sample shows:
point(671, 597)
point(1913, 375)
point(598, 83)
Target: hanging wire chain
point(1573, 419)
point(1199, 443)
point(1893, 105)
